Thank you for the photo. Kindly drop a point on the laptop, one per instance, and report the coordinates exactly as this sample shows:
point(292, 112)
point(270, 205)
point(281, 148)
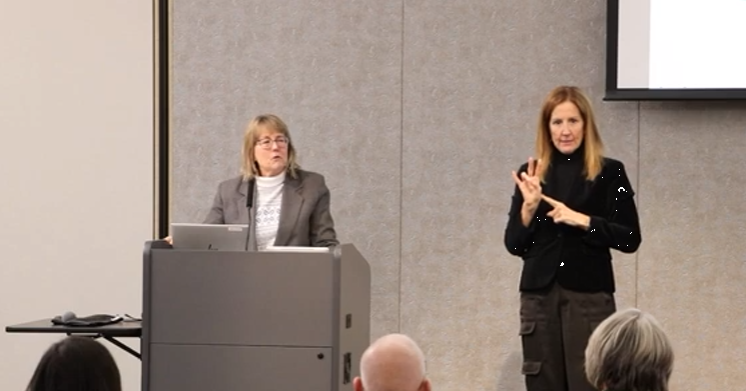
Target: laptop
point(225, 237)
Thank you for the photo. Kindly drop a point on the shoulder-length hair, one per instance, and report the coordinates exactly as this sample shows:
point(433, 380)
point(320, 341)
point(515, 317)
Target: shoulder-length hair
point(259, 125)
point(591, 138)
point(629, 351)
point(76, 363)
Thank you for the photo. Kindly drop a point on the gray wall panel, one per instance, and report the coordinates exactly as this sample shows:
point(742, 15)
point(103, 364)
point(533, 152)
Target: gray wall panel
point(692, 269)
point(331, 70)
point(416, 112)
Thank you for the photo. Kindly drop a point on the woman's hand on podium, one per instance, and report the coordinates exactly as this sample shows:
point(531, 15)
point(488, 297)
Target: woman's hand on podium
point(168, 240)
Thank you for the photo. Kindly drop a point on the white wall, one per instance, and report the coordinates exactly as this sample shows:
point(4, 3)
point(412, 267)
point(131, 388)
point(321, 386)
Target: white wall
point(76, 168)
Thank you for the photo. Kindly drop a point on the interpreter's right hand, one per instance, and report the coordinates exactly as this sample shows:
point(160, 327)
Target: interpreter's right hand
point(168, 240)
point(529, 183)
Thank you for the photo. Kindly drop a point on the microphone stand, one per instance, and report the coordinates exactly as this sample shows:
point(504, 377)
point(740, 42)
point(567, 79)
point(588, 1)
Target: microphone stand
point(250, 197)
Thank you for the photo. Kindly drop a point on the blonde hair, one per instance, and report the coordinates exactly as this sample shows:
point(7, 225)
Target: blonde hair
point(255, 128)
point(629, 351)
point(591, 138)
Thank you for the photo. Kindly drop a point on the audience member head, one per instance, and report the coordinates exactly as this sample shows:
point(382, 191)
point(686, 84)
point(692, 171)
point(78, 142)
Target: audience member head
point(76, 364)
point(629, 352)
point(392, 363)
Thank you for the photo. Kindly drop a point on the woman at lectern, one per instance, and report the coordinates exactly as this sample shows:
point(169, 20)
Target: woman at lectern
point(292, 206)
point(570, 207)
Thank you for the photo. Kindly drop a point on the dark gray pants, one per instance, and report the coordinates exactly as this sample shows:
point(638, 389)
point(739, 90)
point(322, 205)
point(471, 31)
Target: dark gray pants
point(555, 327)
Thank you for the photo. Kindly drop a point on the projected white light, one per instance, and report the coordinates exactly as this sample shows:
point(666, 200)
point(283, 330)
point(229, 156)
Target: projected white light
point(681, 44)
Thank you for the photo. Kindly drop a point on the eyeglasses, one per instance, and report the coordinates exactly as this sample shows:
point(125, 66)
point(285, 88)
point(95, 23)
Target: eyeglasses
point(266, 143)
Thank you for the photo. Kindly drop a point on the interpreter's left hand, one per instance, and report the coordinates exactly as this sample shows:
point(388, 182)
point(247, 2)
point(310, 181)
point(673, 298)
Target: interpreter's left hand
point(561, 214)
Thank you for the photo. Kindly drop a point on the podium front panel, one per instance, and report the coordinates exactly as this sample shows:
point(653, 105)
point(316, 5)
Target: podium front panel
point(241, 298)
point(201, 368)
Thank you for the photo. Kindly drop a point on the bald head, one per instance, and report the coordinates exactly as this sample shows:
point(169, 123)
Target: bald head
point(392, 363)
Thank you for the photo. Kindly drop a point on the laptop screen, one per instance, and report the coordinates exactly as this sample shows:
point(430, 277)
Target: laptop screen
point(226, 237)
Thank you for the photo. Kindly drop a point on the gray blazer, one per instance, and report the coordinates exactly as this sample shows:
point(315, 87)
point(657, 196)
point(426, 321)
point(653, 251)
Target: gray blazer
point(305, 218)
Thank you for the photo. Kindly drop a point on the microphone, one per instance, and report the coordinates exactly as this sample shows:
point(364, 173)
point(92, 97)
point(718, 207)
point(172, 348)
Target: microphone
point(64, 318)
point(251, 234)
point(250, 195)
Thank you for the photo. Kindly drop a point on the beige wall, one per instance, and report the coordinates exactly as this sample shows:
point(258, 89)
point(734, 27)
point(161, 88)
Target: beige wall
point(76, 162)
point(416, 112)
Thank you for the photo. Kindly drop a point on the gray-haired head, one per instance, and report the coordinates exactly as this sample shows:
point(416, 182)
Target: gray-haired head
point(629, 351)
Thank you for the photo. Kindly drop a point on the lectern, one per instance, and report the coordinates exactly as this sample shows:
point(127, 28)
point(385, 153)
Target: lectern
point(260, 321)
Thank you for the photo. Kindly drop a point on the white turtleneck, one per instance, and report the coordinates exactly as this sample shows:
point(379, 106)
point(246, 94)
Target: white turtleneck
point(269, 204)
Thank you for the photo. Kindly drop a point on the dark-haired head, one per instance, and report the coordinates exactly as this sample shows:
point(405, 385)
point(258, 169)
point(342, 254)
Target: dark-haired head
point(76, 364)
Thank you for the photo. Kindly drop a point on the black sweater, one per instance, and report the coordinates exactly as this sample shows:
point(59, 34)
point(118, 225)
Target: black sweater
point(577, 259)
